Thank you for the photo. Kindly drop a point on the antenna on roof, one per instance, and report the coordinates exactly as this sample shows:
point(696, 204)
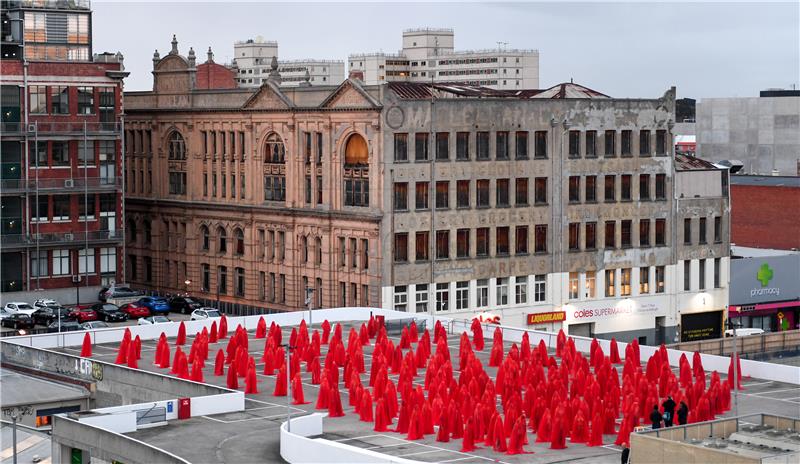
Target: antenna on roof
point(570, 81)
point(501, 45)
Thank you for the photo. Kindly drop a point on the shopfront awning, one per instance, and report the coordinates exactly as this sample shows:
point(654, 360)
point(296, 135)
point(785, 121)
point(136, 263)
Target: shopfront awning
point(761, 309)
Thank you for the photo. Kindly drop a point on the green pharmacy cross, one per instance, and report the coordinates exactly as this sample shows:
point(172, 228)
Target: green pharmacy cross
point(764, 274)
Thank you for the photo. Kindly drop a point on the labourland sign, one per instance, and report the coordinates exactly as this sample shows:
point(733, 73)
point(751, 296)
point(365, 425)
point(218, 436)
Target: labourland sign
point(546, 318)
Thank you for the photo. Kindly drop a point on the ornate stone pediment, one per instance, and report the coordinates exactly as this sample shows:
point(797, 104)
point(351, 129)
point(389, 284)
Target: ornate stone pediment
point(268, 97)
point(350, 94)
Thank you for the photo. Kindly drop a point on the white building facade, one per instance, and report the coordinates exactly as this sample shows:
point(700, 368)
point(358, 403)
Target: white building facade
point(253, 60)
point(428, 55)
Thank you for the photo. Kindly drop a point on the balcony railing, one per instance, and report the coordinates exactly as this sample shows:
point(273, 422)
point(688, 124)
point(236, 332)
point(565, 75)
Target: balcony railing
point(11, 241)
point(60, 128)
point(46, 186)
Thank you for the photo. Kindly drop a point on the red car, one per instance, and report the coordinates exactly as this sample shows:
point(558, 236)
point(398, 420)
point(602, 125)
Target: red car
point(83, 313)
point(135, 310)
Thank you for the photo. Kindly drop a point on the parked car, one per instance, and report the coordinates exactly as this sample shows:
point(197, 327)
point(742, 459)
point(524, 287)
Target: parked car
point(83, 314)
point(66, 326)
point(155, 304)
point(45, 315)
point(18, 321)
point(46, 303)
point(150, 320)
point(94, 325)
point(205, 313)
point(134, 310)
point(116, 291)
point(109, 312)
point(4, 313)
point(743, 332)
point(20, 306)
point(184, 304)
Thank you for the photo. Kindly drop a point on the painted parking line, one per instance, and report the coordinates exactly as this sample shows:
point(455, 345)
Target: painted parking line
point(363, 436)
point(769, 392)
point(414, 454)
point(252, 418)
point(458, 459)
point(753, 384)
point(21, 446)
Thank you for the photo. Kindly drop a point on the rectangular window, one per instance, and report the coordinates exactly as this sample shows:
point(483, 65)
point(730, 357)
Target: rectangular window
point(540, 237)
point(661, 186)
point(501, 192)
point(61, 262)
point(521, 191)
point(443, 146)
point(38, 153)
point(400, 196)
point(501, 241)
point(574, 189)
point(86, 153)
point(86, 207)
point(442, 297)
point(574, 144)
point(343, 293)
point(644, 143)
point(222, 280)
point(274, 187)
point(308, 148)
point(482, 286)
point(39, 264)
point(644, 232)
point(462, 194)
point(224, 188)
point(108, 260)
point(540, 191)
point(442, 244)
point(718, 229)
point(59, 100)
point(442, 194)
point(61, 207)
point(501, 145)
point(626, 233)
point(501, 291)
point(354, 253)
point(462, 243)
point(591, 144)
point(401, 247)
point(319, 293)
point(462, 295)
point(574, 286)
point(521, 290)
point(421, 146)
point(354, 294)
point(521, 240)
point(400, 147)
point(591, 235)
point(702, 274)
point(482, 242)
point(282, 288)
point(574, 236)
point(610, 235)
point(644, 187)
point(717, 276)
point(661, 232)
point(660, 279)
point(262, 285)
point(687, 231)
point(319, 188)
point(239, 282)
point(591, 284)
point(539, 288)
point(60, 153)
point(521, 145)
point(687, 275)
point(483, 145)
point(37, 99)
point(462, 145)
point(85, 100)
point(482, 193)
point(281, 245)
point(610, 286)
point(625, 283)
point(610, 144)
point(307, 190)
point(703, 234)
point(591, 189)
point(625, 191)
point(661, 142)
point(422, 246)
point(421, 195)
point(401, 298)
point(626, 144)
point(540, 147)
point(421, 298)
point(86, 261)
point(610, 188)
point(644, 280)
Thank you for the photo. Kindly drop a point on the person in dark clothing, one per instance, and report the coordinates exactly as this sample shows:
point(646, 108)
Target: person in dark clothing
point(626, 452)
point(683, 413)
point(669, 411)
point(655, 417)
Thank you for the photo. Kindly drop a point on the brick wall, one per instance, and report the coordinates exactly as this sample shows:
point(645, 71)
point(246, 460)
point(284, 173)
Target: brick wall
point(765, 216)
point(214, 76)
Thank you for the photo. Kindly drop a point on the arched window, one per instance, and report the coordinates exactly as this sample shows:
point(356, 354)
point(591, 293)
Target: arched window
point(274, 168)
point(319, 250)
point(304, 247)
point(131, 231)
point(238, 234)
point(205, 238)
point(177, 147)
point(223, 240)
point(356, 171)
point(148, 232)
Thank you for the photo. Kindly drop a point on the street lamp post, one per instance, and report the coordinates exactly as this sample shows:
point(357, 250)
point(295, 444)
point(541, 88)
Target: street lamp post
point(733, 326)
point(187, 282)
point(309, 300)
point(288, 388)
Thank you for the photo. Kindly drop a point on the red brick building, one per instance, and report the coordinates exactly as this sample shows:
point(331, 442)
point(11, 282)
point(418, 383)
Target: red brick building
point(764, 212)
point(61, 196)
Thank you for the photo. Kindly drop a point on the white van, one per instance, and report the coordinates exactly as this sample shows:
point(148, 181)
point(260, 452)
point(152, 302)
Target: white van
point(744, 332)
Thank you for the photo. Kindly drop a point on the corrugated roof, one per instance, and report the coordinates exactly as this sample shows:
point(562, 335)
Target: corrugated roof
point(569, 90)
point(690, 163)
point(421, 90)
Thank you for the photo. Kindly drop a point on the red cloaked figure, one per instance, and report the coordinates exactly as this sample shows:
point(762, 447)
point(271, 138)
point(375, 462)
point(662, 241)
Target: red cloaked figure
point(381, 417)
point(365, 407)
point(443, 434)
point(596, 432)
point(580, 429)
point(468, 443)
point(298, 397)
point(181, 339)
point(518, 437)
point(614, 352)
point(122, 352)
point(543, 428)
point(223, 327)
point(86, 349)
point(197, 370)
point(280, 382)
point(315, 371)
point(261, 328)
point(233, 378)
point(250, 381)
point(164, 361)
point(499, 438)
point(219, 363)
point(212, 334)
point(137, 344)
point(738, 372)
point(335, 402)
point(625, 430)
point(414, 432)
point(326, 331)
point(133, 361)
point(558, 438)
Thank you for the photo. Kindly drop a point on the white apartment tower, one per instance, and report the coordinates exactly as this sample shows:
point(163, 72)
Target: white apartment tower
point(253, 58)
point(428, 54)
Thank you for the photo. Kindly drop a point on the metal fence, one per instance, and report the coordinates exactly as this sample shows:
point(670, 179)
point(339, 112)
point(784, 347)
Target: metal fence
point(226, 307)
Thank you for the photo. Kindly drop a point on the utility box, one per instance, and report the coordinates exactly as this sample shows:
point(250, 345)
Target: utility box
point(184, 408)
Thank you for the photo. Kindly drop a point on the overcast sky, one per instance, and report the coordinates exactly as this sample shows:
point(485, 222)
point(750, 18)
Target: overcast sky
point(622, 49)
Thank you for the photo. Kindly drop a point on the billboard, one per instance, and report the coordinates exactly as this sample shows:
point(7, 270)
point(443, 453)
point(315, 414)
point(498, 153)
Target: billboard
point(762, 280)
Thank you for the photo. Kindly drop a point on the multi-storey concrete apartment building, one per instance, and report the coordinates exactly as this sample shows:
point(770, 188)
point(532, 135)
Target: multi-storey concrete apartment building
point(252, 196)
point(428, 55)
point(547, 208)
point(60, 188)
point(253, 60)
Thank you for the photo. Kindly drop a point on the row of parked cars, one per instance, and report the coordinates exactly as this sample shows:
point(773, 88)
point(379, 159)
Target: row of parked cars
point(56, 317)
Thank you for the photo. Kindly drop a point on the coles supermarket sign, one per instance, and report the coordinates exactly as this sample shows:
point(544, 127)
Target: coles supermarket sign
point(588, 313)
